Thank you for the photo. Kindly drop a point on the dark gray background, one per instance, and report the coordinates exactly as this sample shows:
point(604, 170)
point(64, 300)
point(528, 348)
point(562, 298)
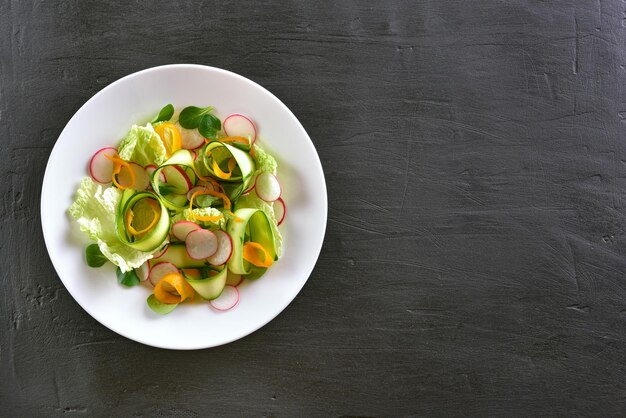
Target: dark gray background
point(474, 259)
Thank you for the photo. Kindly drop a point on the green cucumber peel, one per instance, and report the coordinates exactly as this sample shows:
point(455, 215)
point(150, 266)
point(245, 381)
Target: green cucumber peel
point(156, 236)
point(183, 159)
point(208, 287)
point(245, 163)
point(160, 307)
point(177, 255)
point(254, 225)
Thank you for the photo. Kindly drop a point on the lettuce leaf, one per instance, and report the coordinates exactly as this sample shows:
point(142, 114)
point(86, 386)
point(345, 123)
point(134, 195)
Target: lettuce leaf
point(264, 161)
point(143, 146)
point(94, 210)
point(185, 215)
point(251, 200)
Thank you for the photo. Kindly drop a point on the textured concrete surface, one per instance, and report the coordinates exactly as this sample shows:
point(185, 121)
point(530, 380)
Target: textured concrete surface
point(475, 154)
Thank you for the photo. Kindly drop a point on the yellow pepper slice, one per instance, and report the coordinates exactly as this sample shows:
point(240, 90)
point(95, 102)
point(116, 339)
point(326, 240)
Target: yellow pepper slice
point(212, 193)
point(170, 136)
point(119, 163)
point(225, 175)
point(173, 288)
point(254, 253)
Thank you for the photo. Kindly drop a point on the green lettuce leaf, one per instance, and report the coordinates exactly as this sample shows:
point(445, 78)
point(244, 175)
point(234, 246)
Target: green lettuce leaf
point(264, 161)
point(185, 215)
point(94, 210)
point(251, 200)
point(143, 146)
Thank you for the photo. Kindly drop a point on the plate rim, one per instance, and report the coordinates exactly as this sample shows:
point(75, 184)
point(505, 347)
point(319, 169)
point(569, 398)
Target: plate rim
point(316, 250)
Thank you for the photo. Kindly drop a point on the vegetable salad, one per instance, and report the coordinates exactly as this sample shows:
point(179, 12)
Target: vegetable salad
point(188, 206)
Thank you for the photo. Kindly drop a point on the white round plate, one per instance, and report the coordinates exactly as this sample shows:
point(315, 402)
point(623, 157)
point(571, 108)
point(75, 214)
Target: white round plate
point(103, 121)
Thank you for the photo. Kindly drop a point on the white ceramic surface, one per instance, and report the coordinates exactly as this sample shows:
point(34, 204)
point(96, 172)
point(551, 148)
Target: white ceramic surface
point(103, 121)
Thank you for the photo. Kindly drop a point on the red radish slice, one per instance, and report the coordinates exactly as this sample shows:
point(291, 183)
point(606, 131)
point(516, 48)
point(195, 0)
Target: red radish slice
point(178, 178)
point(142, 180)
point(227, 300)
point(181, 229)
point(190, 138)
point(224, 249)
point(194, 155)
point(143, 271)
point(100, 167)
point(151, 169)
point(201, 244)
point(207, 185)
point(163, 251)
point(239, 125)
point(233, 279)
point(267, 187)
point(160, 270)
point(280, 210)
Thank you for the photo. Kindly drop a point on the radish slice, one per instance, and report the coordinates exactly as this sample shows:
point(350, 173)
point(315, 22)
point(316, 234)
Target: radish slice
point(190, 138)
point(181, 229)
point(143, 271)
point(224, 249)
point(201, 244)
point(151, 169)
point(142, 180)
point(207, 185)
point(160, 270)
point(227, 300)
point(280, 210)
point(233, 279)
point(239, 125)
point(100, 167)
point(267, 187)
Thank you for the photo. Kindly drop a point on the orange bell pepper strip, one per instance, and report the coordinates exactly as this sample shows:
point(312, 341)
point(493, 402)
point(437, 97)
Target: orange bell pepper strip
point(208, 218)
point(254, 253)
point(173, 288)
point(170, 136)
point(119, 163)
point(225, 175)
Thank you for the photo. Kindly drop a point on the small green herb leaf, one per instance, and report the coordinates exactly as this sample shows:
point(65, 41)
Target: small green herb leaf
point(205, 201)
point(191, 116)
point(165, 114)
point(127, 279)
point(160, 307)
point(209, 126)
point(167, 189)
point(94, 256)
